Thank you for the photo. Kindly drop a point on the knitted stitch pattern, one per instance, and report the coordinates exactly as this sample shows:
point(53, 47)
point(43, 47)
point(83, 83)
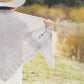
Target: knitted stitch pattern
point(21, 37)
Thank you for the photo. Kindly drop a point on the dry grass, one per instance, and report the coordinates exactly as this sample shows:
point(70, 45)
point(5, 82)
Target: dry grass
point(76, 14)
point(70, 39)
point(73, 14)
point(48, 13)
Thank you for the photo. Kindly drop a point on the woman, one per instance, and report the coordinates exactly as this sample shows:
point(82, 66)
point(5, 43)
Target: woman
point(21, 36)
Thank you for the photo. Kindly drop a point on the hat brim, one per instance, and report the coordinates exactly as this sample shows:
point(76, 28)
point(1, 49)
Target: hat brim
point(13, 4)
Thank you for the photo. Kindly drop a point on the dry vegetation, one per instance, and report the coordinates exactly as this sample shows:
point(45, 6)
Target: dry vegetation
point(70, 39)
point(66, 40)
point(73, 14)
point(76, 14)
point(37, 10)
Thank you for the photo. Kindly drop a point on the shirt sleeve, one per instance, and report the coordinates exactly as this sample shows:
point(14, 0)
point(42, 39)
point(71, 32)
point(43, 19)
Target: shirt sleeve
point(38, 39)
point(45, 35)
point(47, 47)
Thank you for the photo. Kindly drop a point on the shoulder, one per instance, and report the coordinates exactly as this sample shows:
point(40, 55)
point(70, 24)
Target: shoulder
point(28, 16)
point(33, 21)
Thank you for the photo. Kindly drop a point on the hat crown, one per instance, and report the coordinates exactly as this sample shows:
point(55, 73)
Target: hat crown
point(11, 3)
point(5, 0)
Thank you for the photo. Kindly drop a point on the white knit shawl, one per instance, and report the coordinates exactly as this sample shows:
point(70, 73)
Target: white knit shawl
point(19, 42)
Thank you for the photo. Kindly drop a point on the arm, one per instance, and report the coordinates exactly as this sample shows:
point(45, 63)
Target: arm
point(40, 39)
point(46, 34)
point(47, 48)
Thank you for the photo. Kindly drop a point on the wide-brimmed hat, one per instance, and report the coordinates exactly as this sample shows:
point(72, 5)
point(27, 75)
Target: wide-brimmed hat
point(11, 3)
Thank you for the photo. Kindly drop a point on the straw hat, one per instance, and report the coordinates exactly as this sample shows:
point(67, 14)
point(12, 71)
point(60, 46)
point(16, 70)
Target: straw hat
point(11, 3)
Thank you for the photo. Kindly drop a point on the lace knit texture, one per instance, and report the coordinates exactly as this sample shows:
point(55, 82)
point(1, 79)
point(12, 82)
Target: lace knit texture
point(21, 37)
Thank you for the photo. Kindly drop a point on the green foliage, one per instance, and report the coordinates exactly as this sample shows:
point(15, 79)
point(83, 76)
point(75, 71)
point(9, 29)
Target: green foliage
point(76, 3)
point(29, 2)
point(40, 1)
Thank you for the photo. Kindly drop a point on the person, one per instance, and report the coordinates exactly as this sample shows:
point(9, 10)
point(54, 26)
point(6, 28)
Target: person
point(17, 43)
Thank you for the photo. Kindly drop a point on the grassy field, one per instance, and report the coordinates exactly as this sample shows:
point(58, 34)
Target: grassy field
point(66, 71)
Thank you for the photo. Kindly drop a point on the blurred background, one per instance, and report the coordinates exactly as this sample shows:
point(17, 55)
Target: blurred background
point(68, 16)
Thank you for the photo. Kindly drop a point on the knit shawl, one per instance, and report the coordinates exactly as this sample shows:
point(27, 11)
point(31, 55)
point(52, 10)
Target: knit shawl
point(18, 41)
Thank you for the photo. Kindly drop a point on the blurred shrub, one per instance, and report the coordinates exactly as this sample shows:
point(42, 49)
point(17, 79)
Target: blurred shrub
point(55, 12)
point(38, 10)
point(76, 14)
point(30, 9)
point(70, 39)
